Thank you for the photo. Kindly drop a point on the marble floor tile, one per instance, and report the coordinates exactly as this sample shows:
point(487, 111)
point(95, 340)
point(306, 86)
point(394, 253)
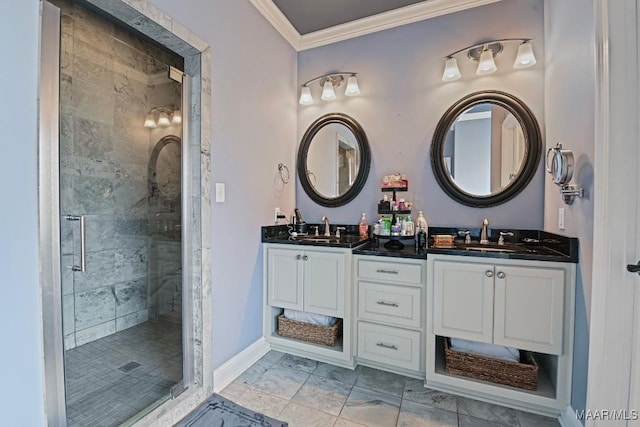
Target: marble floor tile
point(381, 381)
point(301, 416)
point(414, 414)
point(467, 421)
point(254, 373)
point(262, 402)
point(271, 357)
point(337, 373)
point(234, 391)
point(527, 419)
point(281, 381)
point(341, 422)
point(415, 391)
point(487, 411)
point(323, 394)
point(371, 408)
point(297, 362)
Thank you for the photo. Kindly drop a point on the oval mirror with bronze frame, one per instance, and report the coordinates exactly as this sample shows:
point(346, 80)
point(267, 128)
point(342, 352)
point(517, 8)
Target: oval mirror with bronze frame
point(486, 149)
point(333, 160)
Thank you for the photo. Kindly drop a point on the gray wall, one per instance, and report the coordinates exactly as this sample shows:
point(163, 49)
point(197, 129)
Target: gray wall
point(254, 128)
point(402, 98)
point(569, 108)
point(20, 320)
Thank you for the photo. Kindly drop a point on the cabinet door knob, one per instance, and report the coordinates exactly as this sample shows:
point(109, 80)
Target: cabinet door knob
point(298, 256)
point(488, 273)
point(305, 257)
point(500, 275)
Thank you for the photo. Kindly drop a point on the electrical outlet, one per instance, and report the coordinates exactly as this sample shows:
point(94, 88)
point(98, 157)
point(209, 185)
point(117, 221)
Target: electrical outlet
point(561, 218)
point(275, 215)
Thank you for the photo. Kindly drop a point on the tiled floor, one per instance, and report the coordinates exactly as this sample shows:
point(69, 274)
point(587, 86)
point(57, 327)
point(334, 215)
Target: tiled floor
point(116, 377)
point(306, 393)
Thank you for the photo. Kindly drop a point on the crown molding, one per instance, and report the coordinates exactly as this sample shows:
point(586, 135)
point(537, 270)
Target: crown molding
point(383, 21)
point(276, 18)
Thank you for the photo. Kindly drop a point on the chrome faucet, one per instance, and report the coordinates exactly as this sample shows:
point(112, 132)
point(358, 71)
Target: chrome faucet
point(484, 240)
point(502, 234)
point(327, 232)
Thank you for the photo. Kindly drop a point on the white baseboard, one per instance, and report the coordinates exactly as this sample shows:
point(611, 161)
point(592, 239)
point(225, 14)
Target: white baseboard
point(232, 368)
point(568, 418)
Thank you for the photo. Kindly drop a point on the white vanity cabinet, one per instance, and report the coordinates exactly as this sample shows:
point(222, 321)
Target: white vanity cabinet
point(314, 279)
point(390, 304)
point(524, 304)
point(310, 280)
point(519, 306)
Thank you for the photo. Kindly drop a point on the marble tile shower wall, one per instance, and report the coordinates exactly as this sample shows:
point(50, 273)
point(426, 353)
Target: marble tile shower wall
point(109, 81)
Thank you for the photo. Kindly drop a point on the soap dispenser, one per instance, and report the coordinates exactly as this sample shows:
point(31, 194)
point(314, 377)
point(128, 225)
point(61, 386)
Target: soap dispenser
point(421, 222)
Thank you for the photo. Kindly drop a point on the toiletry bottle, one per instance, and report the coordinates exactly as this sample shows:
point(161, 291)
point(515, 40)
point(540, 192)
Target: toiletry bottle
point(386, 226)
point(363, 227)
point(421, 221)
point(421, 238)
point(409, 226)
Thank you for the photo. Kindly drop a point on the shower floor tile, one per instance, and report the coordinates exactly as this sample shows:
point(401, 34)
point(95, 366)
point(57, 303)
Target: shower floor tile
point(101, 393)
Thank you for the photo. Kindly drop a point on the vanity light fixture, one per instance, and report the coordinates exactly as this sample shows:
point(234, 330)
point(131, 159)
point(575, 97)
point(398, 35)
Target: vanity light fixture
point(485, 54)
point(162, 116)
point(329, 82)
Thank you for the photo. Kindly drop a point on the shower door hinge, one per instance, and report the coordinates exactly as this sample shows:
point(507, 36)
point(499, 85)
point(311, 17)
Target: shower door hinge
point(175, 74)
point(178, 389)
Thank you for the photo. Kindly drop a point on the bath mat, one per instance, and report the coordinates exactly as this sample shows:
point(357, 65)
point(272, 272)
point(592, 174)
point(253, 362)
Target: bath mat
point(220, 412)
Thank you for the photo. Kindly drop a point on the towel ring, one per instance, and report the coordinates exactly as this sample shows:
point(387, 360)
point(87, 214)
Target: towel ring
point(281, 167)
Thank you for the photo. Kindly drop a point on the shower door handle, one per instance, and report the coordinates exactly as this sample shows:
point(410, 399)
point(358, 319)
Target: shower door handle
point(83, 259)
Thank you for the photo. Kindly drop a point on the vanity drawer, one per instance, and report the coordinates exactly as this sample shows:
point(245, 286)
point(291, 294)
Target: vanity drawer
point(392, 346)
point(374, 269)
point(398, 305)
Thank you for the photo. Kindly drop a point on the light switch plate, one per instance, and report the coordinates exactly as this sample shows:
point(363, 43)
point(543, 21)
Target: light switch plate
point(561, 218)
point(220, 192)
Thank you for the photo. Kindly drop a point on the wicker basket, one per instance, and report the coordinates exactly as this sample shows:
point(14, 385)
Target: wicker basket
point(327, 335)
point(523, 374)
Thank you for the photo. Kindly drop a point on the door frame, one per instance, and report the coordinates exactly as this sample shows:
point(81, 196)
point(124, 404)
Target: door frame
point(144, 17)
point(615, 207)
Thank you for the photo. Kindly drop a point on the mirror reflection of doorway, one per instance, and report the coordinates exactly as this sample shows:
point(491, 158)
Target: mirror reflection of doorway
point(122, 315)
point(347, 164)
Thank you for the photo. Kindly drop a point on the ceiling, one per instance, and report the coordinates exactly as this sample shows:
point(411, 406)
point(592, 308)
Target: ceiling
point(311, 23)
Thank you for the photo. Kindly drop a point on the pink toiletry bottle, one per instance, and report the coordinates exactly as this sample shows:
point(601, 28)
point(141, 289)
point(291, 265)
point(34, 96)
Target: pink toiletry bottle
point(363, 227)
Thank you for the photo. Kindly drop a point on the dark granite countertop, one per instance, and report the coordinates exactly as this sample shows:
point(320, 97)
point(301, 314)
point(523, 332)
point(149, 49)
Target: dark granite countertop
point(282, 234)
point(535, 245)
point(378, 249)
point(532, 245)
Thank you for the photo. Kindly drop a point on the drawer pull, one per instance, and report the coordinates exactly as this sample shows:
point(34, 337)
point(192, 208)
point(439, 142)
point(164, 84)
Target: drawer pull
point(382, 270)
point(387, 304)
point(390, 347)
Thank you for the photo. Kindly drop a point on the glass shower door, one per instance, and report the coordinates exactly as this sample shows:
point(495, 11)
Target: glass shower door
point(120, 210)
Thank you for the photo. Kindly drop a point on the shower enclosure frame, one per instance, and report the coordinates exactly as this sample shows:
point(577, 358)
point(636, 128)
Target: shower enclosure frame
point(196, 208)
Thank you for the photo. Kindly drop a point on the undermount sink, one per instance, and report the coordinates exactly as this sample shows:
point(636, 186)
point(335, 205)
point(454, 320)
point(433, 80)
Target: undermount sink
point(485, 248)
point(318, 239)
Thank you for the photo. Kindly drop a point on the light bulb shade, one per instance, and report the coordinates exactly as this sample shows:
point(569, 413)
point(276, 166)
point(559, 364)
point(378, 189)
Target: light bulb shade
point(327, 91)
point(163, 119)
point(150, 122)
point(525, 57)
point(176, 118)
point(486, 65)
point(352, 87)
point(451, 70)
point(305, 96)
